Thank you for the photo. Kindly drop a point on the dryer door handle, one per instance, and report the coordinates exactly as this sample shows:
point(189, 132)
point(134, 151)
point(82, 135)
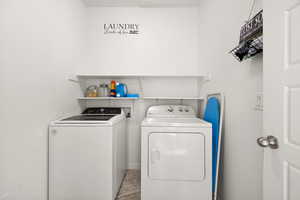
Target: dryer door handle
point(155, 155)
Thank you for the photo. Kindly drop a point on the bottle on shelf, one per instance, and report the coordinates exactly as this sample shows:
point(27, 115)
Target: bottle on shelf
point(103, 90)
point(113, 88)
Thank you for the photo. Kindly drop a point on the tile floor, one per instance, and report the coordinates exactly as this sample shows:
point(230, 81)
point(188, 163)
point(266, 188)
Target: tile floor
point(131, 187)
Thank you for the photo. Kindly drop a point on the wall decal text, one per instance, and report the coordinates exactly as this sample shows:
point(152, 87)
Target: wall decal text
point(121, 28)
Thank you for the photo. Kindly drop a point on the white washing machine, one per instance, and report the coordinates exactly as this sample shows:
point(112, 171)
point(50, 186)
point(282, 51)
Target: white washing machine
point(176, 159)
point(87, 155)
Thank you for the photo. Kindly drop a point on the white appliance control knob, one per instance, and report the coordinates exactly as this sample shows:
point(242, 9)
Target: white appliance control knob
point(186, 110)
point(180, 109)
point(170, 109)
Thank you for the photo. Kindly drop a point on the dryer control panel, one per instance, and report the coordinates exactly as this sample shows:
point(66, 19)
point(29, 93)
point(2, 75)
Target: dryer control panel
point(182, 111)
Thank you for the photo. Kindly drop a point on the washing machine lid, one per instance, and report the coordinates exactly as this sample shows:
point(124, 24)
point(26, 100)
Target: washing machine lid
point(175, 122)
point(89, 118)
point(95, 115)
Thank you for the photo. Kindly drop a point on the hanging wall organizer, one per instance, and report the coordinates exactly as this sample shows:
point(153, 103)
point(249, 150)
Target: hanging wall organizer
point(251, 39)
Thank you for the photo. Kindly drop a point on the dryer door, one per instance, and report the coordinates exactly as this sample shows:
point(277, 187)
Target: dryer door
point(176, 156)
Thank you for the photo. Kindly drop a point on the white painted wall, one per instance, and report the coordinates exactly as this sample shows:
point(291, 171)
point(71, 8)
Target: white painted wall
point(220, 25)
point(41, 42)
point(148, 3)
point(168, 42)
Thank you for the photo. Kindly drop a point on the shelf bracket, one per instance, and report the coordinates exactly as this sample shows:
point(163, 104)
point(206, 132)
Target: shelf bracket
point(201, 81)
point(74, 80)
point(141, 87)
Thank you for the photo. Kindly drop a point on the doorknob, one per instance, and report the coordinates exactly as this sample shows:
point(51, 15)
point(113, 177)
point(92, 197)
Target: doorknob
point(269, 141)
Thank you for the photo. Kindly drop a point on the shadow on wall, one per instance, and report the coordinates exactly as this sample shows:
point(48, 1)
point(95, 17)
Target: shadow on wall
point(256, 65)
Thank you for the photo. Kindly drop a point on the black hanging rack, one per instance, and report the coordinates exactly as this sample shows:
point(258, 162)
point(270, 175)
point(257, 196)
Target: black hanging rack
point(251, 39)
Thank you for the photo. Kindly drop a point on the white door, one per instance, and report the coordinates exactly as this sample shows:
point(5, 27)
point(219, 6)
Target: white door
point(177, 156)
point(282, 99)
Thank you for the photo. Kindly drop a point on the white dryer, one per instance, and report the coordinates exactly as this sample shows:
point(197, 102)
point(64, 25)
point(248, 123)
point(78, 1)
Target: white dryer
point(176, 159)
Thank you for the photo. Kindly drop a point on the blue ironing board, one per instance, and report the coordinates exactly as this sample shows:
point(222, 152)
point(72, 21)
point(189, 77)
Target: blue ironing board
point(212, 115)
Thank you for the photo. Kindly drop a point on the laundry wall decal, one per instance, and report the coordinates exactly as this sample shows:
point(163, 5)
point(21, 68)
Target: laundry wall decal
point(121, 29)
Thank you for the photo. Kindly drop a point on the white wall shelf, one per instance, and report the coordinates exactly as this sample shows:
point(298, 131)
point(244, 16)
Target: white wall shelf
point(134, 76)
point(149, 87)
point(107, 98)
point(174, 98)
point(139, 98)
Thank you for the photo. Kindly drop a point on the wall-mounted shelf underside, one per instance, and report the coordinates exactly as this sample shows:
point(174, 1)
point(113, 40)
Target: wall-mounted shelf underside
point(147, 84)
point(132, 76)
point(140, 98)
